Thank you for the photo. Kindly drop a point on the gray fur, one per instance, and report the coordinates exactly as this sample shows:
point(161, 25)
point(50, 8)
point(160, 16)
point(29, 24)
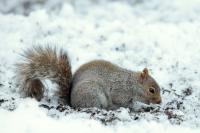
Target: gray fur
point(95, 84)
point(105, 87)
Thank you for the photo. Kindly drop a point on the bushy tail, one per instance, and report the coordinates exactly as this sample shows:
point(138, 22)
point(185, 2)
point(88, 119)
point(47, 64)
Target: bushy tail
point(44, 63)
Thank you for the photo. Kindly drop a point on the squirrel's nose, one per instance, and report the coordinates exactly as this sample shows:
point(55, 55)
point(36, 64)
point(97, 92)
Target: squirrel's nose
point(159, 101)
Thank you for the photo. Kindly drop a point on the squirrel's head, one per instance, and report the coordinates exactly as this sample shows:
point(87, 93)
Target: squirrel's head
point(150, 88)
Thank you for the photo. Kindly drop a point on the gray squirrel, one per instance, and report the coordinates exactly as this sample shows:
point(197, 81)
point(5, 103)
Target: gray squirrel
point(98, 83)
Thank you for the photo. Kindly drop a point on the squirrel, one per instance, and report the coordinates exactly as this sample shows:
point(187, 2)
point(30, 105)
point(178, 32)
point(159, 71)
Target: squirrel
point(98, 83)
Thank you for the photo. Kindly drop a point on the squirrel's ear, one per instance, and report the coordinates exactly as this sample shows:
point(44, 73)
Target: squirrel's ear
point(144, 75)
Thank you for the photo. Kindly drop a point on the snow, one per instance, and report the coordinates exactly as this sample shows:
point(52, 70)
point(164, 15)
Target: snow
point(160, 35)
point(29, 118)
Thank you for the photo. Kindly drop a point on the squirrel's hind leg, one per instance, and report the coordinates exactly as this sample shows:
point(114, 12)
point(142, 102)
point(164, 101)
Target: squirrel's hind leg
point(88, 94)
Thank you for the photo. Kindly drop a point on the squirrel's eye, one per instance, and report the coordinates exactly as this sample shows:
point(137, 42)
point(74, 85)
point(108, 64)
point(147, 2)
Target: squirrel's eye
point(152, 90)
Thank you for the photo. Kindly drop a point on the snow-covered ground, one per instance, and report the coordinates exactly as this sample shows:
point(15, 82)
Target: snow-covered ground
point(161, 35)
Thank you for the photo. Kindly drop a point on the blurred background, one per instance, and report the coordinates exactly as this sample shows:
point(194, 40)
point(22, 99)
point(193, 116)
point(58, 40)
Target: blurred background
point(171, 10)
point(26, 6)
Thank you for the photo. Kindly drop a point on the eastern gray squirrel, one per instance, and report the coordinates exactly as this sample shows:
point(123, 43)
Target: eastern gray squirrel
point(98, 83)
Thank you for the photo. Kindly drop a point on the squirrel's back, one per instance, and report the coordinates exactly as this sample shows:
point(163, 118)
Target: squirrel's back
point(97, 68)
